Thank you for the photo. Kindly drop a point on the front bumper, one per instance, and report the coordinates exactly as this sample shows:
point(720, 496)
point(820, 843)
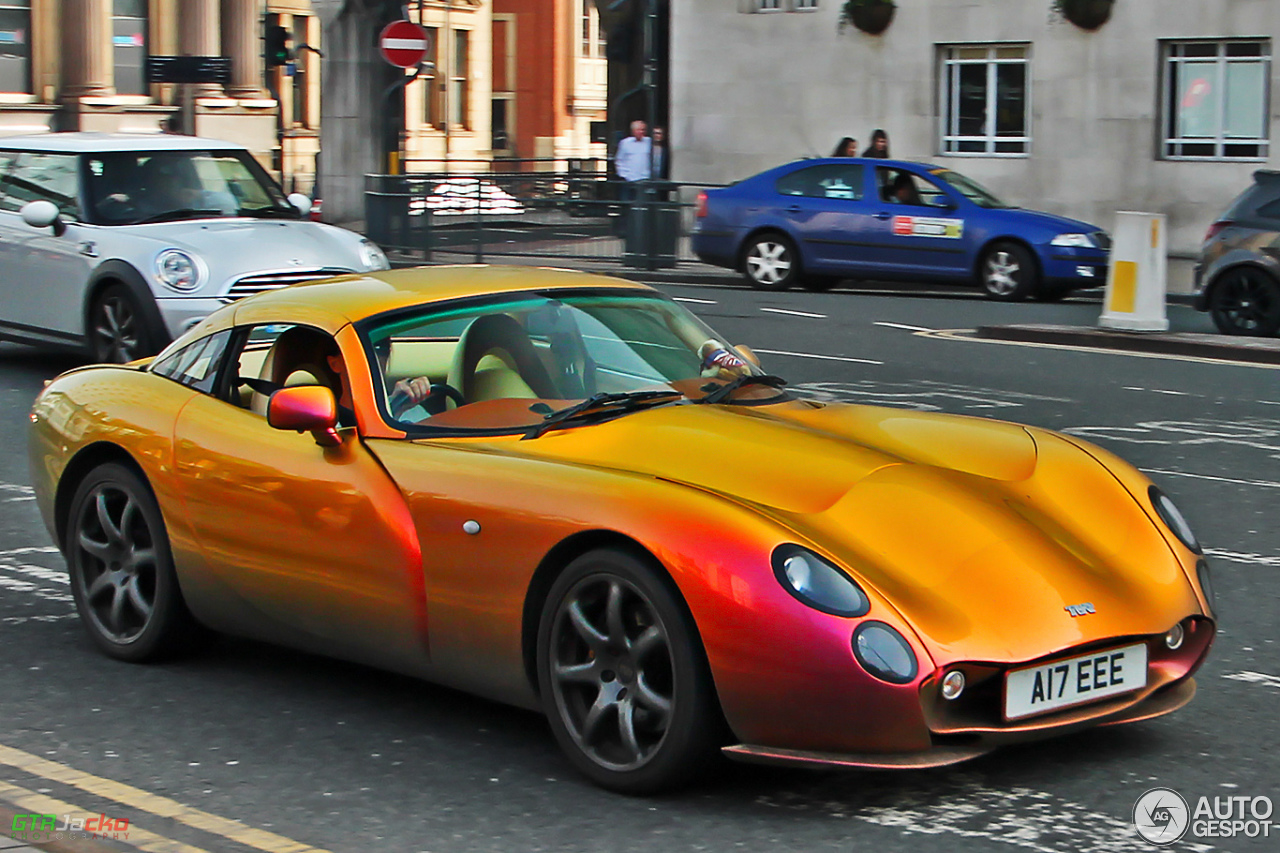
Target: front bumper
point(180, 313)
point(1072, 267)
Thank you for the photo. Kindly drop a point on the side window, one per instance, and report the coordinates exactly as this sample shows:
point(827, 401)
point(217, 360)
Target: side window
point(1270, 210)
point(43, 177)
point(284, 355)
point(195, 365)
point(898, 186)
point(838, 180)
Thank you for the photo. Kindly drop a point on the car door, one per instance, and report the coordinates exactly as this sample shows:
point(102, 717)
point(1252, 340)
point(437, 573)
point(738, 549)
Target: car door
point(306, 545)
point(45, 270)
point(826, 208)
point(918, 227)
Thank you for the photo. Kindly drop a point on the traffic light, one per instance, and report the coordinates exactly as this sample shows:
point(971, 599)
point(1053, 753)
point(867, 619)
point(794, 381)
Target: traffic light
point(278, 52)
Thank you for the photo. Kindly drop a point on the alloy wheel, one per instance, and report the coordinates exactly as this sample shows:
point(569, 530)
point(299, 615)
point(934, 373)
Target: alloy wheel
point(115, 330)
point(1002, 273)
point(118, 562)
point(1247, 302)
point(769, 263)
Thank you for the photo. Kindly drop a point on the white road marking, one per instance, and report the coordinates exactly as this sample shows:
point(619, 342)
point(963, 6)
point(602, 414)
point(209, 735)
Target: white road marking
point(48, 617)
point(39, 572)
point(1265, 484)
point(922, 395)
point(791, 313)
point(1250, 677)
point(968, 336)
point(1158, 391)
point(903, 326)
point(30, 549)
point(17, 585)
point(695, 301)
point(815, 355)
point(1241, 557)
point(22, 493)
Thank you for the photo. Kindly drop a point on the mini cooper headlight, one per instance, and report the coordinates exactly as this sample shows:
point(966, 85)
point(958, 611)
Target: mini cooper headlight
point(884, 653)
point(177, 270)
point(1173, 519)
point(372, 257)
point(817, 583)
point(1079, 241)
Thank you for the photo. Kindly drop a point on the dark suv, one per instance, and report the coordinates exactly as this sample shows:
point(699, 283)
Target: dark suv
point(1238, 275)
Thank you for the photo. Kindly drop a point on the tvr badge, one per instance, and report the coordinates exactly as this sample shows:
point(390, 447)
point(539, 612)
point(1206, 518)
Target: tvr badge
point(1080, 609)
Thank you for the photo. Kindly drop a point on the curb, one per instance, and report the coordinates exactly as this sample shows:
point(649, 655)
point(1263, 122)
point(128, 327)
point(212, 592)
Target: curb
point(1221, 347)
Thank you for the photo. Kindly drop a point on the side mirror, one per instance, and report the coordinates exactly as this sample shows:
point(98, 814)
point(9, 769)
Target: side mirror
point(306, 408)
point(300, 202)
point(42, 214)
point(748, 353)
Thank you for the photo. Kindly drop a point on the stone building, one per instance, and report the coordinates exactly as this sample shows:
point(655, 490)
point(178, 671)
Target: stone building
point(79, 65)
point(1167, 107)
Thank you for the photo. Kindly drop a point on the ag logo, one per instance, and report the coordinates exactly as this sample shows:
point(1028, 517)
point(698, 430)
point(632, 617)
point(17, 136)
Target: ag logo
point(1161, 816)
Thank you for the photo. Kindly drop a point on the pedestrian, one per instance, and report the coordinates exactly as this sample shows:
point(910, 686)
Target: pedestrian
point(659, 154)
point(847, 147)
point(879, 146)
point(633, 163)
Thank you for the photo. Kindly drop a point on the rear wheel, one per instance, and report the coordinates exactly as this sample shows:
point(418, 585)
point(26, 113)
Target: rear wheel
point(118, 330)
point(1009, 272)
point(623, 679)
point(770, 262)
point(1246, 301)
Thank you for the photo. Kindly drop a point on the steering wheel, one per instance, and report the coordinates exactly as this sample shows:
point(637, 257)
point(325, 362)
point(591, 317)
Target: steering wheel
point(438, 400)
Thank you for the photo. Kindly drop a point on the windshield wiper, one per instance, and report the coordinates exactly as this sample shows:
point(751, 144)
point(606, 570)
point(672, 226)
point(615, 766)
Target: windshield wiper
point(620, 402)
point(721, 393)
point(183, 213)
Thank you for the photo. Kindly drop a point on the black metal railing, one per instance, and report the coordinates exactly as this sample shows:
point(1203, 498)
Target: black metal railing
point(579, 214)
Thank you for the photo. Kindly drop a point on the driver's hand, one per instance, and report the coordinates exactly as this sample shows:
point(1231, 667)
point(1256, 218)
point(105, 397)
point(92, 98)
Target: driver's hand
point(413, 390)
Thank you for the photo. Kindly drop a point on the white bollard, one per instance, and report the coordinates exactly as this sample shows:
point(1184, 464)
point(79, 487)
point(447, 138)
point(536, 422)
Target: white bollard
point(1137, 278)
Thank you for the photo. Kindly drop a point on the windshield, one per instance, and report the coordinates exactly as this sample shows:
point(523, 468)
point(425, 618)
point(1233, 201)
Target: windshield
point(971, 189)
point(133, 187)
point(519, 362)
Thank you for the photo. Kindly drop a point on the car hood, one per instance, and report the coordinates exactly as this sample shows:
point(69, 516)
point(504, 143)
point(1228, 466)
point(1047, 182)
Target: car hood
point(1050, 222)
point(238, 245)
point(978, 532)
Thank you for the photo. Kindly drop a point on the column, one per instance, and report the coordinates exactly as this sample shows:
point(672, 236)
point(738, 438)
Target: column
point(199, 35)
point(242, 42)
point(87, 66)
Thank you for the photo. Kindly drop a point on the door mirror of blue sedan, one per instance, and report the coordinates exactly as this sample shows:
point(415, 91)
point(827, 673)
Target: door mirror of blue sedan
point(43, 214)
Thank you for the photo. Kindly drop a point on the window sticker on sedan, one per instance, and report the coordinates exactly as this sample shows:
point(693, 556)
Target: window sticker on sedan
point(928, 226)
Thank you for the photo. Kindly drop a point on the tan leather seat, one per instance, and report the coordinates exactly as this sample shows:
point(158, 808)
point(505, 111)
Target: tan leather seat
point(296, 358)
point(495, 360)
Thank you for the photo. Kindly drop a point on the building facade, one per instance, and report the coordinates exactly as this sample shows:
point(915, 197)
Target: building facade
point(1168, 107)
point(79, 65)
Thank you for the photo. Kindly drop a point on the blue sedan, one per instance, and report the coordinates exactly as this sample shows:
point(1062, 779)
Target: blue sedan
point(816, 222)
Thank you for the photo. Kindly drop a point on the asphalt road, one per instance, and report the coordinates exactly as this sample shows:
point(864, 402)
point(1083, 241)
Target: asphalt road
point(344, 758)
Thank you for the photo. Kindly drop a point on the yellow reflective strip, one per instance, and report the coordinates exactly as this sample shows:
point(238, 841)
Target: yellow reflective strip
point(1155, 233)
point(154, 804)
point(1124, 287)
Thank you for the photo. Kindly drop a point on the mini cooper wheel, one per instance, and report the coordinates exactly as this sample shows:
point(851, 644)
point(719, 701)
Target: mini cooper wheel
point(622, 676)
point(1009, 272)
point(118, 331)
point(770, 262)
point(121, 569)
point(1246, 302)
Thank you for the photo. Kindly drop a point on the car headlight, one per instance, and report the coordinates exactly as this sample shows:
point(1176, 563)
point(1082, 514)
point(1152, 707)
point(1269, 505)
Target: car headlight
point(884, 653)
point(1173, 519)
point(1206, 585)
point(817, 583)
point(177, 270)
point(372, 257)
point(1079, 241)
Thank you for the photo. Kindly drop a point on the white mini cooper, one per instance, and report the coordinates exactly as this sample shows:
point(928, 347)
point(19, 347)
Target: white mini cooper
point(121, 242)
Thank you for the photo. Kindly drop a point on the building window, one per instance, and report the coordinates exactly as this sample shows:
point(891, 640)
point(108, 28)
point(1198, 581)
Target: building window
point(984, 100)
point(592, 38)
point(430, 77)
point(15, 46)
point(301, 71)
point(501, 124)
point(768, 5)
point(1216, 100)
point(458, 88)
point(801, 5)
point(129, 45)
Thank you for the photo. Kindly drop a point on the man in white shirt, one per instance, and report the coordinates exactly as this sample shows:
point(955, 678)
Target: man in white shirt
point(632, 161)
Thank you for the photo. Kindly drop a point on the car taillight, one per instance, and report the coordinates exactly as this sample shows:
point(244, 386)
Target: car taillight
point(1216, 228)
point(702, 205)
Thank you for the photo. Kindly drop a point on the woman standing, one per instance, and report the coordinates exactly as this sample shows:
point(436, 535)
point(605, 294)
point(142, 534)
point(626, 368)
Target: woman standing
point(847, 147)
point(879, 146)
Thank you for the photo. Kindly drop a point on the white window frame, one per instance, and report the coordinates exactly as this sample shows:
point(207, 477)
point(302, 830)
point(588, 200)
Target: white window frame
point(804, 5)
point(1170, 145)
point(949, 73)
point(768, 6)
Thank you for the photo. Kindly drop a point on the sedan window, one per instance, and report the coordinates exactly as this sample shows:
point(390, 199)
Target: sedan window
point(42, 177)
point(839, 180)
point(195, 365)
point(898, 186)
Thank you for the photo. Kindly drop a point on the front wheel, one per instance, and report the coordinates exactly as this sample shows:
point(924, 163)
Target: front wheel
point(623, 680)
point(1009, 272)
point(118, 330)
point(1246, 302)
point(770, 262)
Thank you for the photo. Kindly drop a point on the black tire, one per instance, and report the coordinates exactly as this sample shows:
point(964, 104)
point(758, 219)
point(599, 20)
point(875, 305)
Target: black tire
point(624, 682)
point(770, 261)
point(118, 330)
point(1008, 272)
point(1246, 301)
point(819, 283)
point(121, 569)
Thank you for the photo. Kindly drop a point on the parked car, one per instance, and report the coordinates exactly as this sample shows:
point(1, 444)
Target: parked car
point(815, 222)
point(565, 492)
point(1237, 279)
point(121, 242)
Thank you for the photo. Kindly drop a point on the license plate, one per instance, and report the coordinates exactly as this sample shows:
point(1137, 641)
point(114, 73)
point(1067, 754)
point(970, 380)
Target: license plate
point(1074, 681)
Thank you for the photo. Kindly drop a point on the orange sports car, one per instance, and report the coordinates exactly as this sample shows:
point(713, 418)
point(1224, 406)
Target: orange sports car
point(563, 491)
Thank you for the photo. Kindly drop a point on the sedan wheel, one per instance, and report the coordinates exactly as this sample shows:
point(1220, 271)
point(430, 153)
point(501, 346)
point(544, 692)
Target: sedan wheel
point(622, 676)
point(121, 571)
point(770, 262)
point(1246, 302)
point(117, 328)
point(1008, 272)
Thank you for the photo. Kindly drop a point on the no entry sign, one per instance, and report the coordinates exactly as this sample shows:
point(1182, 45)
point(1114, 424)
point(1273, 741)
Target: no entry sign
point(404, 43)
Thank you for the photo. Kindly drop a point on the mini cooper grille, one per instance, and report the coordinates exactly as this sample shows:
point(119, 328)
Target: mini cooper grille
point(251, 284)
point(1103, 239)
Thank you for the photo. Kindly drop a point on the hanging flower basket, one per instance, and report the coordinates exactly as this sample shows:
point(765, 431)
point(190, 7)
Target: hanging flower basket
point(870, 16)
point(1085, 14)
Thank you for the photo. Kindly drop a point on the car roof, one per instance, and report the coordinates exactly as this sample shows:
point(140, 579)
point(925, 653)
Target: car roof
point(868, 161)
point(332, 303)
point(93, 142)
